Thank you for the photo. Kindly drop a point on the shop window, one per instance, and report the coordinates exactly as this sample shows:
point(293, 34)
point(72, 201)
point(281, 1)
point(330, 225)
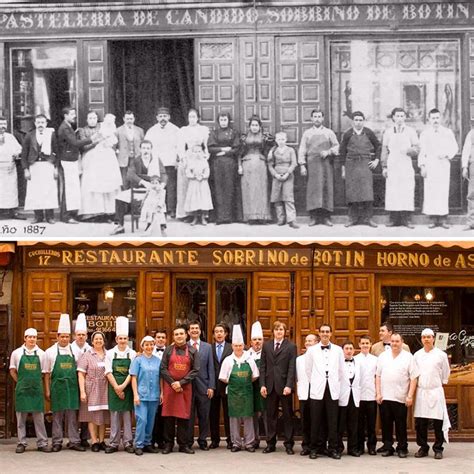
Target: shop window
point(102, 301)
point(376, 76)
point(448, 311)
point(43, 81)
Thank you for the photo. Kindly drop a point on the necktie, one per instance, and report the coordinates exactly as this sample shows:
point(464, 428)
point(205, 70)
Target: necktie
point(195, 345)
point(277, 347)
point(219, 352)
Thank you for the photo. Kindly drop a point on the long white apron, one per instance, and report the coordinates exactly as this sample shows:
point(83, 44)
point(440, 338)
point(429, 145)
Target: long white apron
point(8, 185)
point(436, 186)
point(72, 185)
point(400, 183)
point(42, 188)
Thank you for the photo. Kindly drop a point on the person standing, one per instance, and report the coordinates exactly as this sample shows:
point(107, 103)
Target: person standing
point(385, 334)
point(368, 404)
point(220, 350)
point(203, 386)
point(68, 153)
point(129, 137)
point(145, 373)
point(349, 400)
point(259, 406)
point(27, 365)
point(238, 371)
point(39, 162)
point(395, 387)
point(179, 367)
point(277, 379)
point(432, 365)
point(302, 389)
point(438, 147)
point(10, 151)
point(467, 164)
point(62, 387)
point(316, 154)
point(159, 427)
point(325, 367)
point(164, 138)
point(359, 152)
point(120, 395)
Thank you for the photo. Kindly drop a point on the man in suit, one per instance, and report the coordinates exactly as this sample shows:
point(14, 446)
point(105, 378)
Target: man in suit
point(203, 386)
point(39, 162)
point(385, 334)
point(69, 147)
point(128, 147)
point(325, 366)
point(158, 436)
point(277, 379)
point(220, 350)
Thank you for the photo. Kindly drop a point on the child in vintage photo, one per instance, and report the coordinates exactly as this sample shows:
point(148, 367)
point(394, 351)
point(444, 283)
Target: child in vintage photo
point(281, 164)
point(198, 200)
point(154, 207)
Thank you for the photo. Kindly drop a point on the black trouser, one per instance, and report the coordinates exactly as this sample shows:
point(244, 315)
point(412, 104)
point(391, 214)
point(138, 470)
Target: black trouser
point(217, 401)
point(318, 408)
point(305, 410)
point(348, 422)
point(273, 401)
point(400, 217)
point(200, 407)
point(360, 211)
point(421, 426)
point(44, 214)
point(367, 419)
point(84, 427)
point(158, 436)
point(171, 190)
point(438, 220)
point(124, 172)
point(176, 426)
point(120, 211)
point(394, 412)
point(320, 214)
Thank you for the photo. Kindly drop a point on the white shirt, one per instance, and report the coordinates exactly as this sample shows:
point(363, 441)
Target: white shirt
point(52, 352)
point(198, 342)
point(17, 353)
point(302, 380)
point(158, 353)
point(116, 353)
point(228, 364)
point(255, 355)
point(9, 148)
point(395, 374)
point(78, 351)
point(277, 342)
point(165, 142)
point(368, 368)
point(435, 143)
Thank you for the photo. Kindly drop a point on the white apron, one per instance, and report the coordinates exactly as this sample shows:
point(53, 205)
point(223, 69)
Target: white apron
point(42, 188)
point(400, 183)
point(436, 187)
point(8, 185)
point(72, 185)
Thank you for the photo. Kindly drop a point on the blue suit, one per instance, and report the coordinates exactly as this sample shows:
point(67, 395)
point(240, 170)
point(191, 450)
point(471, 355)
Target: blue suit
point(201, 404)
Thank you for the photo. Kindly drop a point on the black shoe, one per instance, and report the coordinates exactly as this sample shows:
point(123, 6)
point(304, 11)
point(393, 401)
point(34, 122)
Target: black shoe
point(372, 452)
point(312, 222)
point(408, 225)
point(391, 224)
point(203, 447)
point(129, 449)
point(381, 449)
point(76, 447)
point(20, 449)
point(186, 450)
point(235, 449)
point(250, 449)
point(167, 450)
point(445, 226)
point(18, 217)
point(305, 452)
point(350, 224)
point(139, 451)
point(355, 454)
point(282, 222)
point(229, 445)
point(289, 451)
point(313, 455)
point(45, 449)
point(95, 448)
point(402, 454)
point(269, 449)
point(214, 445)
point(85, 443)
point(150, 449)
point(110, 449)
point(37, 220)
point(335, 455)
point(102, 446)
point(328, 222)
point(56, 448)
point(438, 455)
point(371, 223)
point(118, 229)
point(387, 453)
point(421, 453)
point(50, 221)
point(432, 225)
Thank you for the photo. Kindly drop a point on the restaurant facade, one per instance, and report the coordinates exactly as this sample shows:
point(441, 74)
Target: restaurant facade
point(279, 60)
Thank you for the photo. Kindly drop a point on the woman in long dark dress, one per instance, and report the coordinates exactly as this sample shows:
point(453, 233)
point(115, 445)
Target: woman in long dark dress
point(255, 145)
point(223, 145)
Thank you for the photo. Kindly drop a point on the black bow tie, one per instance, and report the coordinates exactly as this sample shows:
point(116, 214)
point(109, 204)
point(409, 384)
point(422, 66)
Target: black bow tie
point(159, 349)
point(386, 343)
point(326, 347)
point(349, 360)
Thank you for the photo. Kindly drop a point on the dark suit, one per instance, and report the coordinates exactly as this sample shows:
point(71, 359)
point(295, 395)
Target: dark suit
point(277, 371)
point(220, 397)
point(201, 403)
point(128, 149)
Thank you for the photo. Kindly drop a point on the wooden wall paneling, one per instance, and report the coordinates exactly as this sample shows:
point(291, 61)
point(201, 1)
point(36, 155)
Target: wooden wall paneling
point(157, 302)
point(46, 300)
point(466, 408)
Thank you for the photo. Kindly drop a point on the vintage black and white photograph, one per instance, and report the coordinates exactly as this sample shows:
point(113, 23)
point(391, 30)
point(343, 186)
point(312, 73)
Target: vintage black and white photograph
point(245, 119)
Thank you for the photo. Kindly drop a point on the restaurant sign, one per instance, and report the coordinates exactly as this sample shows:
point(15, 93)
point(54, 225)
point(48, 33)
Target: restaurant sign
point(252, 258)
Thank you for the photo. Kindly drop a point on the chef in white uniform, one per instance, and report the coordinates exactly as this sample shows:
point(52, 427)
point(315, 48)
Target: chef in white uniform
point(430, 403)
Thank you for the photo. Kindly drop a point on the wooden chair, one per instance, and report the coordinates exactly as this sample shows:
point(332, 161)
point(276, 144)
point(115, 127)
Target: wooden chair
point(135, 206)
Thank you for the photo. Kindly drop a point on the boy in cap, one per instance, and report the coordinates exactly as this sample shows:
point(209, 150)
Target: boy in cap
point(238, 371)
point(117, 365)
point(62, 387)
point(27, 364)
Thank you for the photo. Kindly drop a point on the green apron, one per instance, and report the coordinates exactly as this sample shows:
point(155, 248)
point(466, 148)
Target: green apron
point(120, 369)
point(29, 396)
point(64, 383)
point(240, 391)
point(259, 404)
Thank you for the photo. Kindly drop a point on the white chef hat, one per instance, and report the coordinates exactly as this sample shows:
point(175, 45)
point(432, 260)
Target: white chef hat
point(257, 330)
point(81, 324)
point(146, 339)
point(427, 332)
point(31, 332)
point(64, 326)
point(237, 337)
point(121, 326)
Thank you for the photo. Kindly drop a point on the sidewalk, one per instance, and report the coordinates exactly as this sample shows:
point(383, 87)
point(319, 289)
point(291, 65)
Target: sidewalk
point(459, 458)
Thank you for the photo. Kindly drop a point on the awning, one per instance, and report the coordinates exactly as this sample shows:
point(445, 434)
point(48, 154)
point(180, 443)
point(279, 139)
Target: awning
point(6, 249)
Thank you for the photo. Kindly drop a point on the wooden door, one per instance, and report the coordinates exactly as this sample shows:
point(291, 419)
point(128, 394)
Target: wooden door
point(157, 313)
point(351, 306)
point(273, 299)
point(216, 66)
point(311, 311)
point(46, 300)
